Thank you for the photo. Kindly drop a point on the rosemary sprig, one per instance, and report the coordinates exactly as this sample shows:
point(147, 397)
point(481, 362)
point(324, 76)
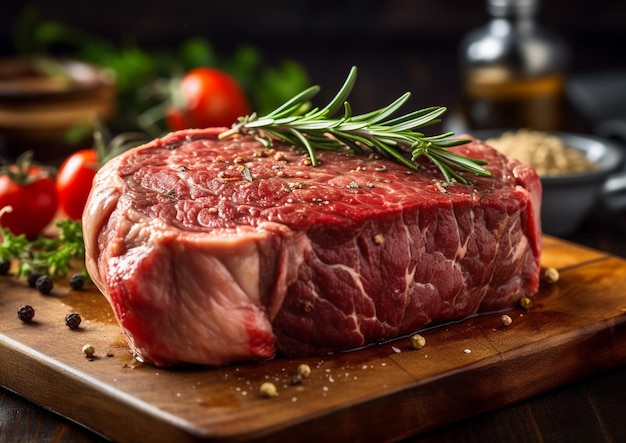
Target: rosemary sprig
point(377, 131)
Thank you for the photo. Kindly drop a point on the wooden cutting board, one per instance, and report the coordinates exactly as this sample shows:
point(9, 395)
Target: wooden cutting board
point(384, 392)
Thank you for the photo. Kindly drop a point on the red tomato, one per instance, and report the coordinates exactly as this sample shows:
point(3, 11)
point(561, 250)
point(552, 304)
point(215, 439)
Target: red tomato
point(74, 181)
point(175, 119)
point(33, 199)
point(211, 98)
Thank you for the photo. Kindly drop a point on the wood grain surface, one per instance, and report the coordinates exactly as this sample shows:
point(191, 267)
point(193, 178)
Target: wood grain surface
point(384, 392)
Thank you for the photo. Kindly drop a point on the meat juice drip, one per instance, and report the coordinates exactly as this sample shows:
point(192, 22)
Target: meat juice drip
point(91, 305)
point(513, 70)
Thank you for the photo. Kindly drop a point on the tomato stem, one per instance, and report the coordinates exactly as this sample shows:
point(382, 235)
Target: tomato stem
point(24, 171)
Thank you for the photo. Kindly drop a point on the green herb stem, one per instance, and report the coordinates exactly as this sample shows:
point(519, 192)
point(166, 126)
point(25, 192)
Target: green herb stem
point(53, 256)
point(396, 138)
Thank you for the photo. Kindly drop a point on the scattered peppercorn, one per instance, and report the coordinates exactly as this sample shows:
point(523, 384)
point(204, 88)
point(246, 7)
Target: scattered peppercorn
point(268, 389)
point(5, 266)
point(304, 370)
point(72, 320)
point(550, 275)
point(506, 320)
point(25, 313)
point(44, 284)
point(526, 303)
point(418, 341)
point(77, 282)
point(89, 350)
point(32, 278)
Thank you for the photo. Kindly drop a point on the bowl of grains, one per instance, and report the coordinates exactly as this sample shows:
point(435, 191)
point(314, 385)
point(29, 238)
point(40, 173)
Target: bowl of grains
point(578, 172)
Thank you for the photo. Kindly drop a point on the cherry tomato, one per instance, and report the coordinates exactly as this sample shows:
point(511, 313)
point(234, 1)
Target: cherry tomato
point(175, 119)
point(74, 181)
point(31, 194)
point(209, 98)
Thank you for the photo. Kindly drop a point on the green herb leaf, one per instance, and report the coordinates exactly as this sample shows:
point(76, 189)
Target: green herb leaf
point(53, 256)
point(395, 138)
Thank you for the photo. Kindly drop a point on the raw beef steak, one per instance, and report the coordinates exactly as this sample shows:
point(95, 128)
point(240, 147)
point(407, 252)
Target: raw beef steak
point(213, 251)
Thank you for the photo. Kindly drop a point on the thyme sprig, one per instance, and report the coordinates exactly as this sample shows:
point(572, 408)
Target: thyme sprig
point(377, 131)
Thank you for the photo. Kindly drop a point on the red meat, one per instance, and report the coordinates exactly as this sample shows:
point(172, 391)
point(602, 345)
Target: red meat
point(212, 251)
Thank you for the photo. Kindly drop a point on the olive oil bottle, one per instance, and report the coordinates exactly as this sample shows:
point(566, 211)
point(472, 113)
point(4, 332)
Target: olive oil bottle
point(513, 70)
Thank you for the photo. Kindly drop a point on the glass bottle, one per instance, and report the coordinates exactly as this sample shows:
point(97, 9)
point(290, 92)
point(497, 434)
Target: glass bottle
point(513, 70)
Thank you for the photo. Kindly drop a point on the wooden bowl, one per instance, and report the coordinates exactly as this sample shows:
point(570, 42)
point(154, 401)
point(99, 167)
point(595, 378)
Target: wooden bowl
point(42, 99)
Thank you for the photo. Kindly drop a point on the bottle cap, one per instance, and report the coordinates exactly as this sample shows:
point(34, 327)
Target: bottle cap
point(512, 7)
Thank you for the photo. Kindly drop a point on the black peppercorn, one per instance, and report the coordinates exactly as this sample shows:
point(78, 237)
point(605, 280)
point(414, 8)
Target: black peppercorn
point(25, 313)
point(72, 320)
point(44, 284)
point(32, 278)
point(5, 266)
point(77, 282)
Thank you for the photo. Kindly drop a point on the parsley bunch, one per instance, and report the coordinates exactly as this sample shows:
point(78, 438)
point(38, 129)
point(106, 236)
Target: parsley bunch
point(52, 256)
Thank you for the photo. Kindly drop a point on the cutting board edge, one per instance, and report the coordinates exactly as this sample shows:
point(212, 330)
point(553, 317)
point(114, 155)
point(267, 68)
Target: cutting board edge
point(18, 361)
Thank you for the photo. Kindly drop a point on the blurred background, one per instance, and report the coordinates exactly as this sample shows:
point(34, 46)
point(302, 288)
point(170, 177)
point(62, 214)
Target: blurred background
point(546, 65)
point(398, 45)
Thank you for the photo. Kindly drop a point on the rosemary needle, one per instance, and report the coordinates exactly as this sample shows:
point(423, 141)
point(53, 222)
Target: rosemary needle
point(377, 131)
